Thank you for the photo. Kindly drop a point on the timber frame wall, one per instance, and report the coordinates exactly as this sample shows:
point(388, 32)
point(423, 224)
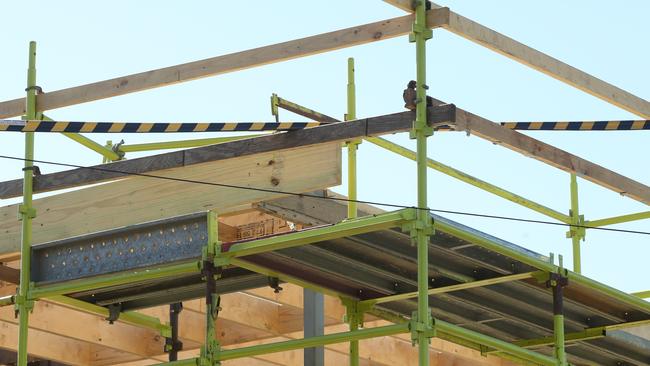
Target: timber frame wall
point(421, 124)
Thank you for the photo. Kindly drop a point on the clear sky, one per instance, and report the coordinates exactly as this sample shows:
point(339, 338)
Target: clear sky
point(81, 42)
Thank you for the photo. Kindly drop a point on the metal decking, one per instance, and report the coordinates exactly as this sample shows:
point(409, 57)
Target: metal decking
point(365, 266)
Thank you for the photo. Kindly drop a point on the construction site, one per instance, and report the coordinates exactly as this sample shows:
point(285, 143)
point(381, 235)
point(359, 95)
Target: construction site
point(237, 249)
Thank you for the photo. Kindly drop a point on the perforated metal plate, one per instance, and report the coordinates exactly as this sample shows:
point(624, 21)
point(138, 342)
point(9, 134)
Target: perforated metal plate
point(133, 247)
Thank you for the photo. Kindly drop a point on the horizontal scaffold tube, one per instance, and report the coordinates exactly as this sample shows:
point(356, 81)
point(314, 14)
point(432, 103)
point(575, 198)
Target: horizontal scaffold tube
point(355, 335)
point(346, 228)
point(498, 344)
point(63, 288)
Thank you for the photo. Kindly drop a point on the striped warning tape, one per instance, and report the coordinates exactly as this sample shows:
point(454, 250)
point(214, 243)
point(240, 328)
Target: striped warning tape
point(148, 127)
point(580, 125)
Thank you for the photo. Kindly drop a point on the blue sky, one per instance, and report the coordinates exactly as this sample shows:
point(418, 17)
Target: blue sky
point(81, 42)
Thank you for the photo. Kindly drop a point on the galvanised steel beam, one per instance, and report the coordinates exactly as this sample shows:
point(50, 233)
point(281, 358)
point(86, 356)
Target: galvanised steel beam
point(383, 331)
point(308, 236)
point(313, 325)
point(459, 287)
point(45, 291)
point(143, 245)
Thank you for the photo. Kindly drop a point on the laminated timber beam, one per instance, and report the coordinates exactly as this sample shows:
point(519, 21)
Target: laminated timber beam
point(307, 46)
point(373, 126)
point(141, 199)
point(537, 60)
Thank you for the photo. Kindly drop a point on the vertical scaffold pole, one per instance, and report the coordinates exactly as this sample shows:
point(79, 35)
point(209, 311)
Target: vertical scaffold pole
point(212, 347)
point(576, 233)
point(352, 314)
point(27, 213)
point(423, 228)
point(557, 284)
point(352, 145)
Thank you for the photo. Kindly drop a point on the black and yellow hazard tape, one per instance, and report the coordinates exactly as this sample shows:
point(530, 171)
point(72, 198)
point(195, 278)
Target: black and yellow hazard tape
point(628, 125)
point(146, 127)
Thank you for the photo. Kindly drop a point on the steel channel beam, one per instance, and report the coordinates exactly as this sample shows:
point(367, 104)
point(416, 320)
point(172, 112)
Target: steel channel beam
point(383, 331)
point(144, 245)
point(308, 236)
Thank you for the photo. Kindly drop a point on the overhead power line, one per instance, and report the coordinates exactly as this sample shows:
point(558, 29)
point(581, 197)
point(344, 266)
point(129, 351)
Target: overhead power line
point(341, 199)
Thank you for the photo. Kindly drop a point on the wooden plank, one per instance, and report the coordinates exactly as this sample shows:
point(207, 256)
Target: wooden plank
point(9, 274)
point(142, 199)
point(537, 60)
point(524, 144)
point(46, 346)
point(91, 329)
point(330, 41)
point(372, 126)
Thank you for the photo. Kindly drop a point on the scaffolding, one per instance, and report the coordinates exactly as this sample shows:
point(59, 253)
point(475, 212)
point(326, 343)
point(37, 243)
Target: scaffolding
point(207, 260)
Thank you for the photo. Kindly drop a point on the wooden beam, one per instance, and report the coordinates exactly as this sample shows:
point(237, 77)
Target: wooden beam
point(537, 60)
point(47, 346)
point(91, 329)
point(330, 41)
point(142, 199)
point(372, 126)
point(9, 274)
point(524, 144)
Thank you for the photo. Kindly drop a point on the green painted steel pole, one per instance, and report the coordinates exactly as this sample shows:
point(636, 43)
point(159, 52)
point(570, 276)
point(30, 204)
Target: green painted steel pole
point(557, 286)
point(353, 145)
point(575, 232)
point(618, 219)
point(351, 115)
point(324, 340)
point(27, 212)
point(423, 227)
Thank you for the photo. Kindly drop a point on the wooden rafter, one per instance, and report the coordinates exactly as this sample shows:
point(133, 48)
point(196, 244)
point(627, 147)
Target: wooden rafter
point(330, 41)
point(537, 60)
point(536, 149)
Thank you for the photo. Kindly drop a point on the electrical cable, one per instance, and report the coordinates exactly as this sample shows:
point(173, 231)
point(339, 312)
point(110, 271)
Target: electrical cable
point(384, 204)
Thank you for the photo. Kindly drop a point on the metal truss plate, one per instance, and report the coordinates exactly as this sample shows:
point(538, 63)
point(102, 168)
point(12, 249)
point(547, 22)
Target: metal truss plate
point(128, 248)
